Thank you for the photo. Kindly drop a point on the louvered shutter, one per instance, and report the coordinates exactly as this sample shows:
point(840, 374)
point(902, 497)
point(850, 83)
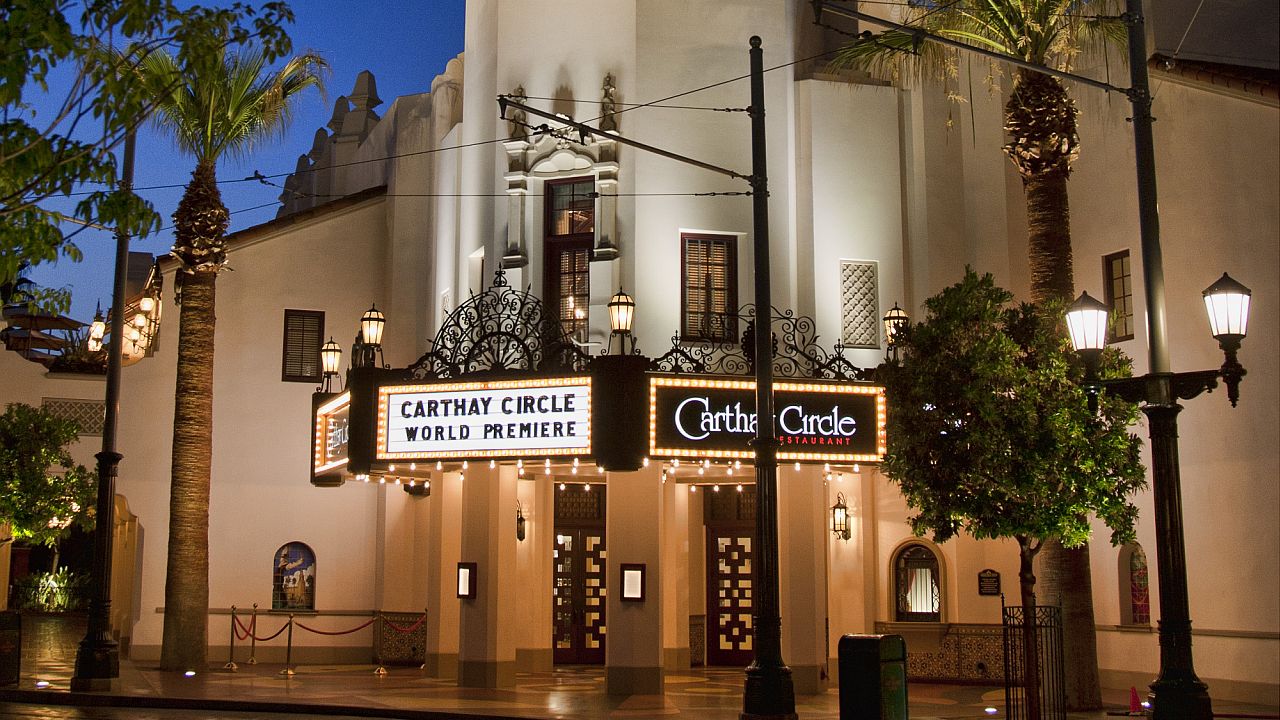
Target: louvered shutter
point(303, 335)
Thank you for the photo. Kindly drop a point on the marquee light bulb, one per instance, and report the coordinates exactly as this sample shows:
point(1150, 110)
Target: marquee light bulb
point(464, 464)
point(675, 462)
point(439, 465)
point(562, 486)
point(739, 487)
point(391, 468)
point(492, 464)
point(413, 466)
point(715, 488)
point(645, 462)
point(693, 488)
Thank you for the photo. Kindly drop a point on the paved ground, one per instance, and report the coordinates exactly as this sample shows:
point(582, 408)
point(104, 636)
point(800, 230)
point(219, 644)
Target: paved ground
point(340, 691)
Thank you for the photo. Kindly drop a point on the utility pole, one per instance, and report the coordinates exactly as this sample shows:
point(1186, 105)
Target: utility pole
point(769, 692)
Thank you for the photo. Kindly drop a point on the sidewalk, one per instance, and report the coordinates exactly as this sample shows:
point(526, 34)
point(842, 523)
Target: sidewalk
point(405, 692)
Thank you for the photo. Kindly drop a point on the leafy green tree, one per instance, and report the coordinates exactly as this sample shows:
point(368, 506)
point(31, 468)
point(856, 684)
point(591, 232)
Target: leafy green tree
point(1041, 141)
point(990, 431)
point(46, 158)
point(43, 492)
point(219, 108)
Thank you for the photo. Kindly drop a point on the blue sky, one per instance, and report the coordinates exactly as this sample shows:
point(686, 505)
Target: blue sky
point(404, 43)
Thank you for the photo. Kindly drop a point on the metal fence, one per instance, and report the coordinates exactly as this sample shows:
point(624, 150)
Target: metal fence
point(1053, 687)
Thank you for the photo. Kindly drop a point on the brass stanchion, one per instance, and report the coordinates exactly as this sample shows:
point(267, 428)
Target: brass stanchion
point(231, 646)
point(288, 652)
point(423, 666)
point(380, 671)
point(253, 640)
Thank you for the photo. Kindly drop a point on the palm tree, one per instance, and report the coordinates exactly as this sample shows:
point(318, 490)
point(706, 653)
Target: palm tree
point(1041, 141)
point(219, 108)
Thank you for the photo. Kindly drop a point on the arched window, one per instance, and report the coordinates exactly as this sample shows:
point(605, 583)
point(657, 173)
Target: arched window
point(293, 578)
point(1135, 593)
point(917, 585)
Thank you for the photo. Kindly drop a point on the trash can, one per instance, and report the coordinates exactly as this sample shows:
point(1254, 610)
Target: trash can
point(873, 677)
point(10, 647)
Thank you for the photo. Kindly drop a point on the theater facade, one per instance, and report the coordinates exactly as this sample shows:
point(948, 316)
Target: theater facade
point(544, 493)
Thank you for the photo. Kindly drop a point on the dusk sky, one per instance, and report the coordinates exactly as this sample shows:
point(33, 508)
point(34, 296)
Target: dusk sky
point(404, 43)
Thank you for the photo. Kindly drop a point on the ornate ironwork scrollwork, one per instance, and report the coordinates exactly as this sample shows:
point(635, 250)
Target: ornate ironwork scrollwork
point(794, 348)
point(500, 330)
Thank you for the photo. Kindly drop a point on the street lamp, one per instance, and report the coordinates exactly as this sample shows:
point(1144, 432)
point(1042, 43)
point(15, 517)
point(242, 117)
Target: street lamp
point(622, 315)
point(1177, 692)
point(97, 331)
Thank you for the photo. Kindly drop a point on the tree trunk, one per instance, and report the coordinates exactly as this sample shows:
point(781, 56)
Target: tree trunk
point(1065, 579)
point(1030, 649)
point(1049, 237)
point(186, 591)
point(1065, 571)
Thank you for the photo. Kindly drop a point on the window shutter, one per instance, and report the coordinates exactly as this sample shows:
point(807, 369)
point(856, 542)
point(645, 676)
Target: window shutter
point(303, 335)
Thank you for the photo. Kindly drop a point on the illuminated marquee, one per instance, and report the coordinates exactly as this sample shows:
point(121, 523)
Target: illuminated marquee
point(498, 418)
point(332, 436)
point(820, 422)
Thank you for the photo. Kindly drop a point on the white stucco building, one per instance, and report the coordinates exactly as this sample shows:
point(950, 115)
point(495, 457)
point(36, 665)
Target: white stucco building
point(880, 194)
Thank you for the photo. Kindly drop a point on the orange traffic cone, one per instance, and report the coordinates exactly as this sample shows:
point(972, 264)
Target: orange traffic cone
point(1135, 704)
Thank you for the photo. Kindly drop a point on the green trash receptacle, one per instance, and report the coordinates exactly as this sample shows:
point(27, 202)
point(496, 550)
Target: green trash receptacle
point(10, 647)
point(873, 677)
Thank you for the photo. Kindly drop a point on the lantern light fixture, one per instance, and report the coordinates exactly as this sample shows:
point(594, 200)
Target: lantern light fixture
point(1227, 302)
point(330, 358)
point(895, 321)
point(520, 521)
point(840, 518)
point(622, 315)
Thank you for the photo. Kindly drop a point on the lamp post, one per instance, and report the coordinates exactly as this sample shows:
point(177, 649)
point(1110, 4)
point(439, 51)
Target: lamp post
point(769, 691)
point(98, 656)
point(1177, 692)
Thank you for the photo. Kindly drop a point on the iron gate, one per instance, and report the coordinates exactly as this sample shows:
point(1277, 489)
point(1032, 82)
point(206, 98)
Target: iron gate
point(1053, 686)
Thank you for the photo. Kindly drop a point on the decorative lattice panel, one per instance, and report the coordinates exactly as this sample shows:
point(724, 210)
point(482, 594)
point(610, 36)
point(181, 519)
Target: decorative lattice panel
point(575, 504)
point(730, 635)
point(860, 304)
point(697, 640)
point(401, 639)
point(88, 414)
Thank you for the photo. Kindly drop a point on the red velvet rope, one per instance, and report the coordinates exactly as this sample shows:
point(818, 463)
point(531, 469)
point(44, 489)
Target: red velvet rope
point(249, 633)
point(340, 632)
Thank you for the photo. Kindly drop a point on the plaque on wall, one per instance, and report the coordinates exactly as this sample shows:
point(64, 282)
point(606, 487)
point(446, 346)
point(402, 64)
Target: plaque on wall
point(988, 582)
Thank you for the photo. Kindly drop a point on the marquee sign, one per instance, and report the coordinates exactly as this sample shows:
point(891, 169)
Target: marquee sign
point(496, 418)
point(332, 441)
point(822, 422)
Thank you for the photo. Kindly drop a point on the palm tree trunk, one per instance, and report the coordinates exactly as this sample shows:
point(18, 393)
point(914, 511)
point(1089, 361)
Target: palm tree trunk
point(1049, 237)
point(200, 224)
point(186, 592)
point(1065, 579)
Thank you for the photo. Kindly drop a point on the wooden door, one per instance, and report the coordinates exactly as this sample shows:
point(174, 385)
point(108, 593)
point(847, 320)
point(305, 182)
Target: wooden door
point(578, 577)
point(730, 596)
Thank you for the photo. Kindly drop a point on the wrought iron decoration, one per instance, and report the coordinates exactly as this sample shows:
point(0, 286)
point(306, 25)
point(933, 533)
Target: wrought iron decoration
point(796, 352)
point(500, 330)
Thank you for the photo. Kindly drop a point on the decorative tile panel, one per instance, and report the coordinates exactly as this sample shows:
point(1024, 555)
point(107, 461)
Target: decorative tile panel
point(860, 304)
point(88, 414)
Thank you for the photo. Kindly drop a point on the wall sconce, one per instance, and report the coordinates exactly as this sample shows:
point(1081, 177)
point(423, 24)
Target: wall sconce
point(519, 521)
point(840, 518)
point(467, 580)
point(632, 582)
point(622, 316)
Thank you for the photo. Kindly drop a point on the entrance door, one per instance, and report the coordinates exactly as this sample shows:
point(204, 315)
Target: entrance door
point(730, 522)
point(578, 580)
